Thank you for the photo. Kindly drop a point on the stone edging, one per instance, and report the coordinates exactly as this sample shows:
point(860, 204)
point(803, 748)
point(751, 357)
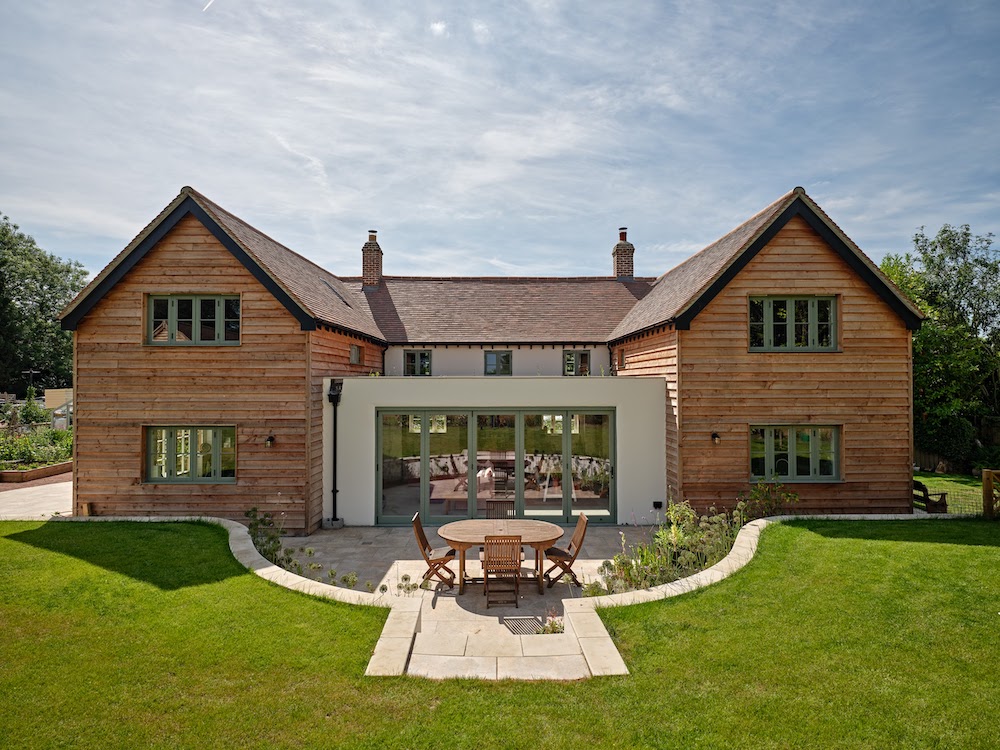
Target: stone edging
point(742, 552)
point(246, 554)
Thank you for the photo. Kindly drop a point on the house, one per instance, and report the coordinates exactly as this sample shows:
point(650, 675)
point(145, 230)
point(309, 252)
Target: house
point(215, 370)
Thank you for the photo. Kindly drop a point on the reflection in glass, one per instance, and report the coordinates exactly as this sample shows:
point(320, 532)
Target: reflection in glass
point(590, 464)
point(543, 464)
point(448, 462)
point(400, 491)
point(495, 475)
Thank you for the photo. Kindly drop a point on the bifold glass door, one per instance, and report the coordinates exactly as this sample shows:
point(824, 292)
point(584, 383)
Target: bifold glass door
point(554, 464)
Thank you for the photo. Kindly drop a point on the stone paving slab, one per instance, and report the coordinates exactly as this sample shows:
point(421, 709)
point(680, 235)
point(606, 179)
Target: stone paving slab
point(559, 667)
point(445, 667)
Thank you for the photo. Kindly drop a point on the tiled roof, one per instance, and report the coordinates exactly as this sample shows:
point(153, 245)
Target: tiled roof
point(499, 310)
point(324, 296)
point(678, 287)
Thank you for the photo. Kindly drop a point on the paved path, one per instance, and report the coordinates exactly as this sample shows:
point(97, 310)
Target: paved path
point(42, 500)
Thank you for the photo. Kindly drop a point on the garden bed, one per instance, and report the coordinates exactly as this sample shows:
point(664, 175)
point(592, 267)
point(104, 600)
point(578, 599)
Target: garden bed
point(29, 475)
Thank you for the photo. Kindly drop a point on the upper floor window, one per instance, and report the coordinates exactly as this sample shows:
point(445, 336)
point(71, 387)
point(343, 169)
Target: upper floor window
point(779, 324)
point(191, 454)
point(185, 320)
point(795, 454)
point(576, 362)
point(417, 362)
point(357, 354)
point(498, 362)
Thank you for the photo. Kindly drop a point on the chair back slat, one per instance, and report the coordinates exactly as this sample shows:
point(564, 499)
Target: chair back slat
point(578, 534)
point(499, 508)
point(502, 554)
point(418, 531)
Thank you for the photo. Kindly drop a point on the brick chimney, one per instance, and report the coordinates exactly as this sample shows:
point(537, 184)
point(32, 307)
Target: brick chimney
point(371, 262)
point(622, 255)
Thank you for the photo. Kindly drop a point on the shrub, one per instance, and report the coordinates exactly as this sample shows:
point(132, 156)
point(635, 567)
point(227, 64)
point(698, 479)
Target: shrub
point(764, 499)
point(34, 449)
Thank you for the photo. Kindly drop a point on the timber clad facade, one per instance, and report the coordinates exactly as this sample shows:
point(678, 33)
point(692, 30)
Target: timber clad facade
point(781, 349)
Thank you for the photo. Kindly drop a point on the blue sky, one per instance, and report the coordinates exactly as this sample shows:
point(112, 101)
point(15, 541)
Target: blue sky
point(497, 138)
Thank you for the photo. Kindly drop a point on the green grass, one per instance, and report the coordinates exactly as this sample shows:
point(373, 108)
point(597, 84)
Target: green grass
point(838, 634)
point(965, 492)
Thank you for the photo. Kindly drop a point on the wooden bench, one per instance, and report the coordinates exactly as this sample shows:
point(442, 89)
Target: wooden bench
point(932, 502)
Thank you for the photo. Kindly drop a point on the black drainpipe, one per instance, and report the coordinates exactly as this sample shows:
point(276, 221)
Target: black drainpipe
point(336, 389)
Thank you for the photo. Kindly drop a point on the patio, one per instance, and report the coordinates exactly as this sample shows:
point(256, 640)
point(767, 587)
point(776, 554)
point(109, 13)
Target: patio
point(438, 633)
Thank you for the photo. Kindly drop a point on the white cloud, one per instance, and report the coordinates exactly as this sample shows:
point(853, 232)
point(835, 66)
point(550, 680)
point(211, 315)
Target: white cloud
point(439, 28)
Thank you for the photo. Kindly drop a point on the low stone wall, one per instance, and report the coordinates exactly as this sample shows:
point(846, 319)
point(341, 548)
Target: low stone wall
point(32, 474)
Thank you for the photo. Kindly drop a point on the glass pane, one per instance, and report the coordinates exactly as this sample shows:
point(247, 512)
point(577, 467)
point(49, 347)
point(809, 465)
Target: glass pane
point(158, 457)
point(801, 322)
point(779, 321)
point(185, 319)
point(758, 453)
point(400, 467)
point(756, 311)
point(161, 308)
point(756, 335)
point(232, 321)
point(491, 363)
point(590, 464)
point(803, 453)
point(449, 464)
point(827, 452)
point(584, 360)
point(182, 453)
point(506, 359)
point(569, 363)
point(824, 335)
point(425, 363)
point(227, 453)
point(781, 457)
point(543, 460)
point(232, 330)
point(205, 440)
point(409, 363)
point(232, 309)
point(495, 469)
point(206, 308)
point(824, 310)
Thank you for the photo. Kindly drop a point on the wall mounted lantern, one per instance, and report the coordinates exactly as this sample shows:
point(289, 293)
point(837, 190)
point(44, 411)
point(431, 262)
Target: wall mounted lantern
point(716, 439)
point(269, 441)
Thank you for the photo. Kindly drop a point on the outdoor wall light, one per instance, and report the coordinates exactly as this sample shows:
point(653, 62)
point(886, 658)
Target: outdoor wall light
point(657, 504)
point(716, 439)
point(269, 441)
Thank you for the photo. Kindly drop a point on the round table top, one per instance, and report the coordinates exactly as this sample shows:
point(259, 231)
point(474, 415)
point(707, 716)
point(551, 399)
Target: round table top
point(475, 530)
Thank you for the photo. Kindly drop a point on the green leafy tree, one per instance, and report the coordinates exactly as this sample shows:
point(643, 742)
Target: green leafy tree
point(34, 287)
point(955, 278)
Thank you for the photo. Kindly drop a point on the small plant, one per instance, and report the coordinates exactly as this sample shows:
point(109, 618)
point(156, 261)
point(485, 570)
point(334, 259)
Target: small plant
point(350, 580)
point(594, 588)
point(266, 535)
point(764, 499)
point(406, 586)
point(553, 624)
point(332, 575)
point(370, 587)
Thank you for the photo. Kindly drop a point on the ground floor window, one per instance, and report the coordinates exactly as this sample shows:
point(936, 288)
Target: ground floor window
point(446, 464)
point(191, 454)
point(795, 453)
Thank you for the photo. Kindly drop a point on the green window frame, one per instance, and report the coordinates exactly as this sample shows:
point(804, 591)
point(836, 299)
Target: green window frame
point(193, 320)
point(417, 362)
point(795, 453)
point(357, 354)
point(787, 324)
point(191, 455)
point(498, 362)
point(576, 362)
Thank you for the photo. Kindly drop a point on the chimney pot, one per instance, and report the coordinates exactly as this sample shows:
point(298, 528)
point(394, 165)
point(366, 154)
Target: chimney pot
point(622, 232)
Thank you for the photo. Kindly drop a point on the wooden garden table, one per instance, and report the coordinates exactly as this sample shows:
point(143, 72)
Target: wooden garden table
point(464, 535)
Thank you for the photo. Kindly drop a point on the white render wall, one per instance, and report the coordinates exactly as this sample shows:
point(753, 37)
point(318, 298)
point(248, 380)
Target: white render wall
point(528, 361)
point(640, 416)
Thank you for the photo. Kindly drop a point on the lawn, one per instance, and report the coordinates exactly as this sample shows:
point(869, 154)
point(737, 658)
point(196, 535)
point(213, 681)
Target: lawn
point(965, 492)
point(838, 634)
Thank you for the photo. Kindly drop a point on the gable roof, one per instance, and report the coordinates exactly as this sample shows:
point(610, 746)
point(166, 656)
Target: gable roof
point(310, 293)
point(684, 291)
point(499, 310)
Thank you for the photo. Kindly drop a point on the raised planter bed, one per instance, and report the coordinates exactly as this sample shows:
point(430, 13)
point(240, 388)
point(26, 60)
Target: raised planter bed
point(32, 474)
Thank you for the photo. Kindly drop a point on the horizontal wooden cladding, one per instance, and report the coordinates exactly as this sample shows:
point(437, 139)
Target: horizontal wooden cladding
point(261, 387)
point(864, 388)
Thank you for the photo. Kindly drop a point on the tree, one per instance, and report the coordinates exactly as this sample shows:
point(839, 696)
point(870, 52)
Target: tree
point(34, 287)
point(955, 279)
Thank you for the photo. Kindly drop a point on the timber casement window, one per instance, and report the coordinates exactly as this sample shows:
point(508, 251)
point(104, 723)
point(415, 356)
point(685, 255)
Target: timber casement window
point(185, 320)
point(576, 362)
point(205, 455)
point(498, 362)
point(795, 454)
point(417, 362)
point(782, 324)
point(357, 354)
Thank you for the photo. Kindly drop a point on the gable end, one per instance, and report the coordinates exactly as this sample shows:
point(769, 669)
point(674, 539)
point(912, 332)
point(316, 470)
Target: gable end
point(187, 207)
point(799, 207)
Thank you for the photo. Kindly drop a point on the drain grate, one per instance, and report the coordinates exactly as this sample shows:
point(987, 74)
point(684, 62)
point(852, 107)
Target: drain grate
point(365, 543)
point(523, 625)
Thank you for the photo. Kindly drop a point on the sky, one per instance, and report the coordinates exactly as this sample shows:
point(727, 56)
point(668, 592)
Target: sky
point(502, 138)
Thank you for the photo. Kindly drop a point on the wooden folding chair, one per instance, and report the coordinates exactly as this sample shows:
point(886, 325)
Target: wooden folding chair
point(499, 508)
point(502, 570)
point(437, 558)
point(564, 557)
